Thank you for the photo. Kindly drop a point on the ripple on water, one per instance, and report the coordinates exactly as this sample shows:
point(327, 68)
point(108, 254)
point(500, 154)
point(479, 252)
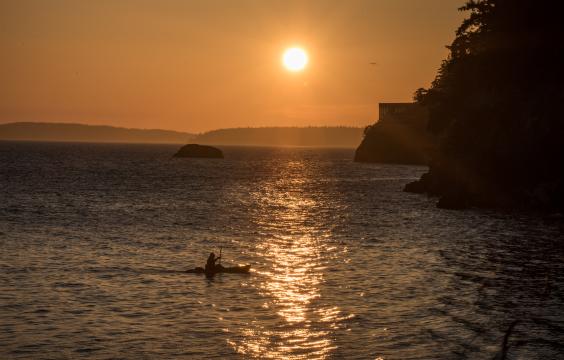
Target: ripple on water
point(94, 239)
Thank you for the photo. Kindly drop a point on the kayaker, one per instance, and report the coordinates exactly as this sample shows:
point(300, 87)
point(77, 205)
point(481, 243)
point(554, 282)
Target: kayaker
point(211, 267)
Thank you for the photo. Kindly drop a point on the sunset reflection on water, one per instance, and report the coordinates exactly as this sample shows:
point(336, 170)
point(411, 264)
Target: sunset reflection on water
point(296, 254)
point(344, 264)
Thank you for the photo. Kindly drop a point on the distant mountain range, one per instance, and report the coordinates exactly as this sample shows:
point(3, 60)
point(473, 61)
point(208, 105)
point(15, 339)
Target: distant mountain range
point(88, 133)
point(337, 136)
point(347, 137)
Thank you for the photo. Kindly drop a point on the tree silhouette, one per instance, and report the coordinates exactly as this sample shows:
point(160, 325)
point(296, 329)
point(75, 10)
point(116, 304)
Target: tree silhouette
point(496, 105)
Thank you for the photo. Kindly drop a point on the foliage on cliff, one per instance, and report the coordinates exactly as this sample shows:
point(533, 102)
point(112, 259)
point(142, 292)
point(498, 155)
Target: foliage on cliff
point(497, 106)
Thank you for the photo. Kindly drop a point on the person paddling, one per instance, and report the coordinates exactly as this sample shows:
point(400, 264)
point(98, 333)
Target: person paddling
point(211, 267)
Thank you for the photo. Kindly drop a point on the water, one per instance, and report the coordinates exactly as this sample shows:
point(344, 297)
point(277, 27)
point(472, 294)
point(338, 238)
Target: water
point(93, 239)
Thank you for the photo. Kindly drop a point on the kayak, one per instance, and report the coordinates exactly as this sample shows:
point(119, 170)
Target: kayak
point(220, 269)
point(236, 269)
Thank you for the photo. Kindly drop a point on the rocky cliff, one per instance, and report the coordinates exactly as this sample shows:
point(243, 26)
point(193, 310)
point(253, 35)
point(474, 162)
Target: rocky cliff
point(400, 136)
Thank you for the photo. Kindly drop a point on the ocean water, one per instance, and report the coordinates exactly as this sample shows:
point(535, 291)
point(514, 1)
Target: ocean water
point(94, 239)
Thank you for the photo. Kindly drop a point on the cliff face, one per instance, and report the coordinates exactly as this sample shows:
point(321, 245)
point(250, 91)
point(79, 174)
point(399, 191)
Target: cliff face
point(400, 136)
point(496, 105)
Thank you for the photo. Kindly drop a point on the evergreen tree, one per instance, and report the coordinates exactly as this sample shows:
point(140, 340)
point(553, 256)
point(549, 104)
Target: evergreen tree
point(496, 105)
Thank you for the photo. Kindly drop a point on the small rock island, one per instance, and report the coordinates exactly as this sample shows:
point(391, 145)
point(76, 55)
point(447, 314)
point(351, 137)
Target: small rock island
point(199, 151)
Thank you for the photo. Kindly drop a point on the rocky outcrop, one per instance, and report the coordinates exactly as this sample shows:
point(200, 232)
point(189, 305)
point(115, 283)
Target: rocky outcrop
point(199, 151)
point(400, 136)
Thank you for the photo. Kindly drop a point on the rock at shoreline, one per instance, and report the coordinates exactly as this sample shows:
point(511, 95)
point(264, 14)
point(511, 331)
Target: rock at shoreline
point(390, 143)
point(199, 151)
point(400, 136)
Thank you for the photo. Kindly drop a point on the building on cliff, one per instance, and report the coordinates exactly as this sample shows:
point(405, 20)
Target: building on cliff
point(399, 136)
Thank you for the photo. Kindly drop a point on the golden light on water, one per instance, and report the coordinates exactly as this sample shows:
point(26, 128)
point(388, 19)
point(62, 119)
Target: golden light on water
point(297, 254)
point(294, 282)
point(295, 59)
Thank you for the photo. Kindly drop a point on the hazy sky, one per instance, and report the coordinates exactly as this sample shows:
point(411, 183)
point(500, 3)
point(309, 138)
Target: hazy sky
point(196, 65)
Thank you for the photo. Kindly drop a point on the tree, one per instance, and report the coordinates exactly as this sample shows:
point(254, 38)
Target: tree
point(495, 101)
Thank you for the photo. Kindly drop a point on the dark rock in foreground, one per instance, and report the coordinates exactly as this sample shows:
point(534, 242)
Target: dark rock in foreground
point(199, 151)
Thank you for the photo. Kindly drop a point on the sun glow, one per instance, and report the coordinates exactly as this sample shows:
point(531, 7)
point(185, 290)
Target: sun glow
point(295, 59)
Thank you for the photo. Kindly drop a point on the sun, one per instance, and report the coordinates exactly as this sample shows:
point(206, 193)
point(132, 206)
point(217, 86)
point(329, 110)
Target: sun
point(295, 59)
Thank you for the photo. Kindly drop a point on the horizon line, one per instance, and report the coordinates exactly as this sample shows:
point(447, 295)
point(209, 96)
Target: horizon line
point(187, 132)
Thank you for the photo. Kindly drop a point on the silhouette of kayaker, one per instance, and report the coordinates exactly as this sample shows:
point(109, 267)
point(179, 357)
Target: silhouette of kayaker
point(211, 266)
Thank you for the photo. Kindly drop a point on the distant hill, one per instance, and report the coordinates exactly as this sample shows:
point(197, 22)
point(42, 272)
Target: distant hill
point(343, 137)
point(88, 133)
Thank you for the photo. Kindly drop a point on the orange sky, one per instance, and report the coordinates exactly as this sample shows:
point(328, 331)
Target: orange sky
point(196, 65)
